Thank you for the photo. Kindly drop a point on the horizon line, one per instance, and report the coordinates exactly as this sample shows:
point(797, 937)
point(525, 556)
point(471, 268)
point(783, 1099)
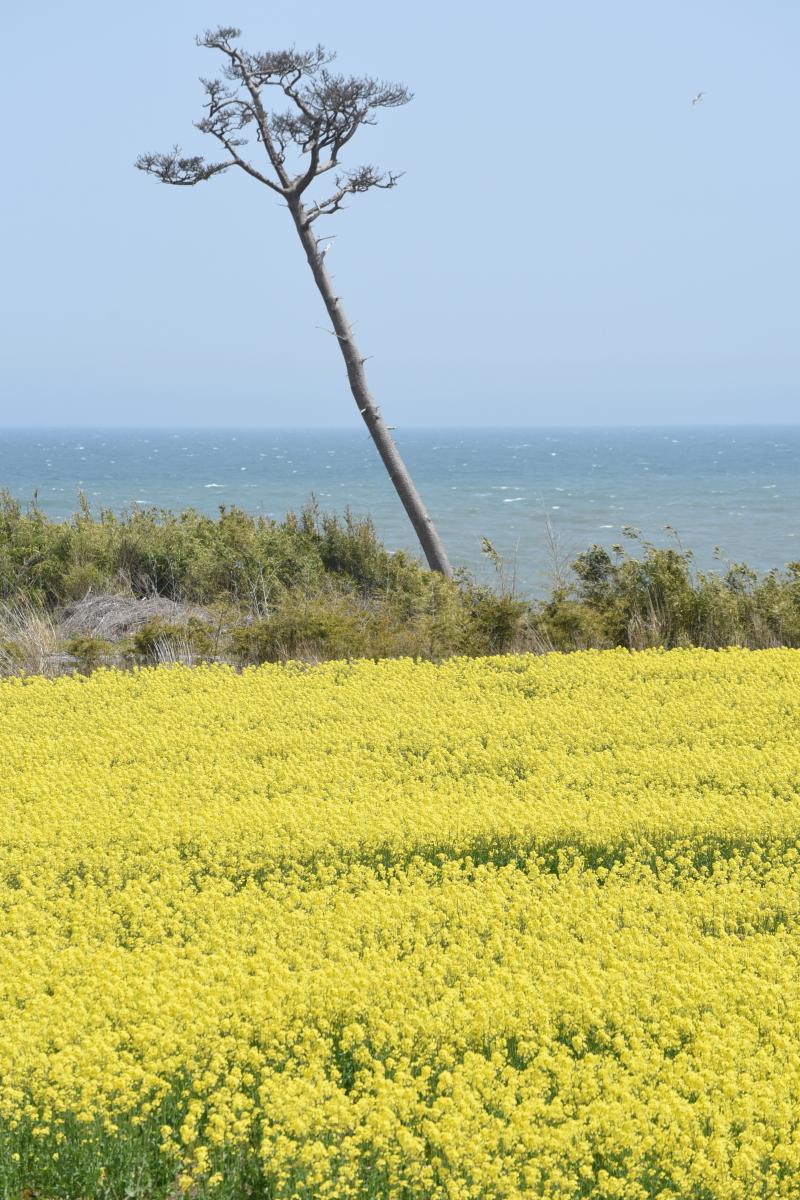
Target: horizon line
point(437, 429)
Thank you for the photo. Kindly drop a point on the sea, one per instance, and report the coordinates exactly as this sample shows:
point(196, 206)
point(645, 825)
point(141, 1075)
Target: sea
point(539, 496)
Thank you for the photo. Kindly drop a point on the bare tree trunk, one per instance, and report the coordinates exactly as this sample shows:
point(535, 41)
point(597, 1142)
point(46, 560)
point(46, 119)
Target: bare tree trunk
point(379, 431)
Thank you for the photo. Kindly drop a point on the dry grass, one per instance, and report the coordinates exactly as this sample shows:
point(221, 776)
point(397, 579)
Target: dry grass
point(170, 650)
point(112, 617)
point(29, 641)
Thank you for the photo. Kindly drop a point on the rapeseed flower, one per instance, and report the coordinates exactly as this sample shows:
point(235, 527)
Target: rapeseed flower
point(523, 926)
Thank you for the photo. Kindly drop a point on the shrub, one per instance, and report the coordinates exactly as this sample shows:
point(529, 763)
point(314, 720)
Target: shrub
point(658, 599)
point(89, 651)
point(149, 642)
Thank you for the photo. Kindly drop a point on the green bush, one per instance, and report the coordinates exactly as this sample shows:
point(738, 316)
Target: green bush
point(249, 560)
point(496, 621)
point(194, 635)
point(80, 578)
point(89, 651)
point(658, 599)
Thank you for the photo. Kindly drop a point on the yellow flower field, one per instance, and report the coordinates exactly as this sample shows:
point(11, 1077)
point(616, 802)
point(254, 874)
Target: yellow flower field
point(493, 928)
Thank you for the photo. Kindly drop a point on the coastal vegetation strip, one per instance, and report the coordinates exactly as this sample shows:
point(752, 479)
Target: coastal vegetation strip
point(154, 586)
point(522, 925)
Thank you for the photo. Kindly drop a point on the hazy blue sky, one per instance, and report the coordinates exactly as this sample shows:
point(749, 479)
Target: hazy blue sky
point(572, 243)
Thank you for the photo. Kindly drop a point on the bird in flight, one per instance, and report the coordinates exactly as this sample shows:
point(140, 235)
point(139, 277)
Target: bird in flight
point(696, 99)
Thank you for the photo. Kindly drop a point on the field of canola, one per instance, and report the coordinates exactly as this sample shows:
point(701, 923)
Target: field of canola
point(494, 928)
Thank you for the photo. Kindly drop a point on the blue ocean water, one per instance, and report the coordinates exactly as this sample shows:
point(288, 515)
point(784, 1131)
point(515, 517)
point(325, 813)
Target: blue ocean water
point(727, 493)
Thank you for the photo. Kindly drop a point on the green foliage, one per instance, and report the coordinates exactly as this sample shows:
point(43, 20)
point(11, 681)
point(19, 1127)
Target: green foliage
point(152, 639)
point(89, 651)
point(319, 586)
point(658, 599)
point(11, 652)
point(441, 620)
point(496, 620)
point(188, 556)
point(80, 578)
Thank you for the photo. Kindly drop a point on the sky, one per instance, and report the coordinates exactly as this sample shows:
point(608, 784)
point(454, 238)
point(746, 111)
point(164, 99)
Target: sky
point(572, 243)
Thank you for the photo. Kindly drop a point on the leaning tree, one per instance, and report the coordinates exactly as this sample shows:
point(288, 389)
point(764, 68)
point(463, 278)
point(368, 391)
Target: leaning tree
point(298, 145)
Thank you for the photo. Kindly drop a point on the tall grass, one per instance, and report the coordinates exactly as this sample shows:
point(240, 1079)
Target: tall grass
point(29, 641)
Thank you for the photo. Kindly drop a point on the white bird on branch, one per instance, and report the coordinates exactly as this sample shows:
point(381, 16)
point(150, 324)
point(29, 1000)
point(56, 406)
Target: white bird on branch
point(696, 99)
point(325, 250)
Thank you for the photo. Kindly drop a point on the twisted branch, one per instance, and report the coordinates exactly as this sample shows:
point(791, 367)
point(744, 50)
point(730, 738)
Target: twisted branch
point(326, 111)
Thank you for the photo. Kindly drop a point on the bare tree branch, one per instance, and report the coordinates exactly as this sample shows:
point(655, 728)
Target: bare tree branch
point(227, 116)
point(362, 180)
point(243, 69)
point(182, 172)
